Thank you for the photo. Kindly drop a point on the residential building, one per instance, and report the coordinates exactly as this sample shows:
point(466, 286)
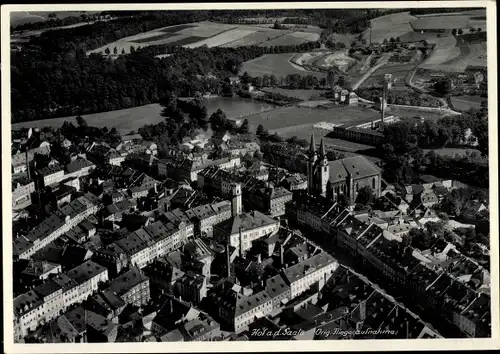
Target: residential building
point(132, 287)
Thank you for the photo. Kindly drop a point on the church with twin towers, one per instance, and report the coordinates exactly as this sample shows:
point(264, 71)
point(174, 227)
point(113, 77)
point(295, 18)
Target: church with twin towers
point(342, 178)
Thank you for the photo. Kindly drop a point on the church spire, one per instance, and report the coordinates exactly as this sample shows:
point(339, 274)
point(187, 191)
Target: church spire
point(312, 146)
point(322, 151)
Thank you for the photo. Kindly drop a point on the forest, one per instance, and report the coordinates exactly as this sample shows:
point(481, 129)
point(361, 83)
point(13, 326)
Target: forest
point(73, 83)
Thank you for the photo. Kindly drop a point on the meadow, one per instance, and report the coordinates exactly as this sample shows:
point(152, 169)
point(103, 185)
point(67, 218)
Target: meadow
point(388, 26)
point(212, 34)
point(275, 64)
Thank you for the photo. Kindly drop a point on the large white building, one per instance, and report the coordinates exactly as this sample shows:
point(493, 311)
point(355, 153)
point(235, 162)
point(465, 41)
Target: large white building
point(244, 228)
point(303, 275)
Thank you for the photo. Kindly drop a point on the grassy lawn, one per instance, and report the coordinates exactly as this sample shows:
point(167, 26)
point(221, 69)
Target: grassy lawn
point(300, 94)
point(293, 116)
point(275, 64)
point(124, 120)
point(465, 103)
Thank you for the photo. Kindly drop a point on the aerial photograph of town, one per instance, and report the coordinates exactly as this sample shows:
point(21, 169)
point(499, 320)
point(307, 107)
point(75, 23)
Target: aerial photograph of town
point(249, 175)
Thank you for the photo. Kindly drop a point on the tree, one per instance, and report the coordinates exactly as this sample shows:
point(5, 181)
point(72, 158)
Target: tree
point(341, 81)
point(107, 51)
point(443, 87)
point(132, 49)
point(479, 29)
point(460, 31)
point(454, 32)
point(81, 122)
point(472, 30)
point(245, 78)
point(398, 40)
point(218, 121)
point(277, 25)
point(244, 127)
point(330, 78)
point(385, 41)
point(197, 150)
point(365, 196)
point(115, 50)
point(456, 201)
point(123, 50)
point(262, 132)
point(392, 40)
point(421, 239)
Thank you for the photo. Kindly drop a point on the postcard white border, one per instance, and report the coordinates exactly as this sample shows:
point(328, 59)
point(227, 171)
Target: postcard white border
point(274, 346)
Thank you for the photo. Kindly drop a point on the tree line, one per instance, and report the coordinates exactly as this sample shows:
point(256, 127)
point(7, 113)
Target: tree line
point(71, 83)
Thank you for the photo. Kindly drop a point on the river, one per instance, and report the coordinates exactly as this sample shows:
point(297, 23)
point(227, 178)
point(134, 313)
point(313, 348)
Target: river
point(131, 119)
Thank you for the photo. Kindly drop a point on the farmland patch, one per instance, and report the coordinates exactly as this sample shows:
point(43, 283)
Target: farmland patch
point(286, 39)
point(293, 116)
point(176, 28)
point(444, 50)
point(275, 64)
point(388, 26)
point(155, 38)
point(310, 37)
point(440, 23)
point(253, 39)
point(222, 38)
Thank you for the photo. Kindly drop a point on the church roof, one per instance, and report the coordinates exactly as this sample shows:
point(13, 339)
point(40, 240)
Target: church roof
point(247, 221)
point(356, 166)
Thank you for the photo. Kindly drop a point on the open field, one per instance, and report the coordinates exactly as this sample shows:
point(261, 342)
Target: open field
point(444, 51)
point(388, 26)
point(464, 103)
point(286, 39)
point(412, 113)
point(304, 95)
point(222, 38)
point(275, 64)
point(213, 34)
point(254, 38)
point(440, 22)
point(308, 37)
point(399, 73)
point(292, 116)
point(124, 120)
point(176, 28)
point(470, 55)
point(347, 38)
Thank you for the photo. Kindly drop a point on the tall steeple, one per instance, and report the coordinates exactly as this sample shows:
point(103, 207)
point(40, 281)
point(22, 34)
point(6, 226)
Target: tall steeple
point(312, 146)
point(322, 151)
point(311, 162)
point(324, 170)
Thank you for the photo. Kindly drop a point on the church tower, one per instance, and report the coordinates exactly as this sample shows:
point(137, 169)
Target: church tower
point(323, 170)
point(311, 162)
point(236, 205)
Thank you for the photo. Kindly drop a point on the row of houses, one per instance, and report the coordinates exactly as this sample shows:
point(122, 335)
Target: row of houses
point(384, 252)
point(257, 194)
point(58, 223)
